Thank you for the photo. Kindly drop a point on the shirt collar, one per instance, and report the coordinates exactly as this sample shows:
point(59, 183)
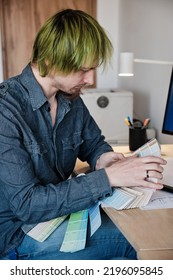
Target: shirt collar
point(36, 93)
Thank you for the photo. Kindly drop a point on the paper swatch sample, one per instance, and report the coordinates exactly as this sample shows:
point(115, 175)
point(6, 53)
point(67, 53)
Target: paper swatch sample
point(41, 231)
point(75, 236)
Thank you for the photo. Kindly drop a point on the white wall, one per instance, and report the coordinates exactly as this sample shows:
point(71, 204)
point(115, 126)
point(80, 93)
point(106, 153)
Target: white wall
point(108, 17)
point(146, 29)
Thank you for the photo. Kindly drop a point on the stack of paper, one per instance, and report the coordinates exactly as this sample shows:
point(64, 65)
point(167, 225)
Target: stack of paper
point(152, 147)
point(126, 198)
point(160, 200)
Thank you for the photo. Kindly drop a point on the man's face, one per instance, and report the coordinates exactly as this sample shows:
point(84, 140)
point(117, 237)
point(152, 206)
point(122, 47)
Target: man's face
point(73, 83)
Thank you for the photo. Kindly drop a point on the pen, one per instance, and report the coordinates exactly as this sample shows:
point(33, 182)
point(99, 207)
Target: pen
point(129, 119)
point(126, 121)
point(146, 122)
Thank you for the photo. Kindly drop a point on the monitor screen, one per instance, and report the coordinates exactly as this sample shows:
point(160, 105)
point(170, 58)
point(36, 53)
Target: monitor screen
point(168, 117)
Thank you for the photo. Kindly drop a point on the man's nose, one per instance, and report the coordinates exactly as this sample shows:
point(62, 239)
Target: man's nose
point(89, 77)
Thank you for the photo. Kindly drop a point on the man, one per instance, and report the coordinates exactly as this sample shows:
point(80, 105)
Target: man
point(44, 128)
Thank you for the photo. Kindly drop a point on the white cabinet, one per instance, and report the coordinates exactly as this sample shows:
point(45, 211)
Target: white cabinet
point(109, 108)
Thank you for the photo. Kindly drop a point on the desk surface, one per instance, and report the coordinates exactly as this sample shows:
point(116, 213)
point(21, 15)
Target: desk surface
point(149, 231)
point(166, 150)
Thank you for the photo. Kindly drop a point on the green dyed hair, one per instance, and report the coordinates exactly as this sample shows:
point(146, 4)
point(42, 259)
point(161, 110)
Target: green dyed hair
point(69, 40)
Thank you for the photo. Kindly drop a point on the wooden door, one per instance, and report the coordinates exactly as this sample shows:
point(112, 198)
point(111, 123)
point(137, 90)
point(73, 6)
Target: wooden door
point(19, 22)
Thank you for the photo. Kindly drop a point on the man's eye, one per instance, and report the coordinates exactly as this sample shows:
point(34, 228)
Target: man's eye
point(85, 70)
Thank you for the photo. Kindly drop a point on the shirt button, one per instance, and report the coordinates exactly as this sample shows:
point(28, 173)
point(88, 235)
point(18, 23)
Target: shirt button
point(48, 109)
point(107, 195)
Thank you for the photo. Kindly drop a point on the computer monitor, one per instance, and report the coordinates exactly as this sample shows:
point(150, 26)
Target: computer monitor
point(167, 127)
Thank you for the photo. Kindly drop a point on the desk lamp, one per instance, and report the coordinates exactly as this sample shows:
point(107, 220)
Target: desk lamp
point(127, 59)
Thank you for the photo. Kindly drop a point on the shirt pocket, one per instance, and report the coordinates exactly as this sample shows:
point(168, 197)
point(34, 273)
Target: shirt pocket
point(42, 162)
point(71, 146)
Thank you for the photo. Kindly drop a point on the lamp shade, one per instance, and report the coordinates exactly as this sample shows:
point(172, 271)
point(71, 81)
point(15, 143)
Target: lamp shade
point(126, 64)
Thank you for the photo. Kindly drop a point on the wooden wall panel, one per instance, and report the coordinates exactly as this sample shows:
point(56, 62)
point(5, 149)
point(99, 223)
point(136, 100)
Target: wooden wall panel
point(19, 22)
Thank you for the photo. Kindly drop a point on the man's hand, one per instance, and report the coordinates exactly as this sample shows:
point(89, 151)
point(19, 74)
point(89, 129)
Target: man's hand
point(136, 171)
point(107, 159)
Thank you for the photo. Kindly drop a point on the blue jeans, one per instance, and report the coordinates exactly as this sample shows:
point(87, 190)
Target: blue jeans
point(106, 243)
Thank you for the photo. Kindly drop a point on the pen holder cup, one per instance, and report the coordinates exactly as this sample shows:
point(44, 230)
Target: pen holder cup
point(137, 138)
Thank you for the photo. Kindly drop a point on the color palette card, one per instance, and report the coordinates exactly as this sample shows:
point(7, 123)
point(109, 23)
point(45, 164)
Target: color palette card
point(152, 147)
point(41, 231)
point(75, 236)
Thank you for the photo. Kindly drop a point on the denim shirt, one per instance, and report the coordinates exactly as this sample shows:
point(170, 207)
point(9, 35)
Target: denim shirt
point(36, 159)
